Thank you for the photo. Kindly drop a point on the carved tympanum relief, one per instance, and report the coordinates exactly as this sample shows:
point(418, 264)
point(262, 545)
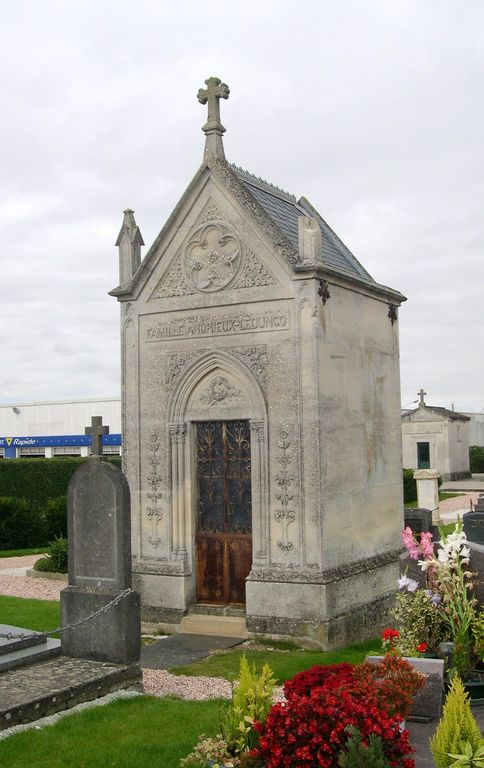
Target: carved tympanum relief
point(219, 391)
point(212, 256)
point(254, 357)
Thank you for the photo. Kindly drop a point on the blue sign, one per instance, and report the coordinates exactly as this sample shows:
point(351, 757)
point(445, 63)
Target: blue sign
point(53, 440)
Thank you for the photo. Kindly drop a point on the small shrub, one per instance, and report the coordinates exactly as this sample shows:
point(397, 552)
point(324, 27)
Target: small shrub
point(206, 749)
point(393, 683)
point(56, 560)
point(44, 564)
point(361, 755)
point(58, 554)
point(476, 456)
point(419, 621)
point(312, 730)
point(329, 676)
point(251, 701)
point(456, 726)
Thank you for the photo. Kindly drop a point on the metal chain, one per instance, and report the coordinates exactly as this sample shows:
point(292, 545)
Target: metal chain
point(104, 609)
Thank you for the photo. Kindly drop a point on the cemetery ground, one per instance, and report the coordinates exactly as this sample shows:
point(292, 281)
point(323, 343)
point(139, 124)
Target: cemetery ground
point(145, 729)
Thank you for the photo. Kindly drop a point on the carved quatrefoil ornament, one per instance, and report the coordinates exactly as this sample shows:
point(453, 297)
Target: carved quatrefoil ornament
point(212, 257)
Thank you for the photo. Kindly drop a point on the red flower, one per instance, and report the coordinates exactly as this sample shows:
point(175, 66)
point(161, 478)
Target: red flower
point(390, 634)
point(422, 647)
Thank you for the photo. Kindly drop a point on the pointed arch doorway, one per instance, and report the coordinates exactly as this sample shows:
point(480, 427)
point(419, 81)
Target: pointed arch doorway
point(224, 510)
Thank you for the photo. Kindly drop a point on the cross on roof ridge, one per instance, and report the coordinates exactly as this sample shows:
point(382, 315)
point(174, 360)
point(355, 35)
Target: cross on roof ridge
point(213, 128)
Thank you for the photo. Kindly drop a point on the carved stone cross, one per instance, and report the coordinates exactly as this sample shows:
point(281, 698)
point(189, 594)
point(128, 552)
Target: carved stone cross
point(97, 430)
point(421, 394)
point(212, 94)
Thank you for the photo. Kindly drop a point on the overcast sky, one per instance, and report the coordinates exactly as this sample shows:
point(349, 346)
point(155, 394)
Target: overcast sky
point(372, 110)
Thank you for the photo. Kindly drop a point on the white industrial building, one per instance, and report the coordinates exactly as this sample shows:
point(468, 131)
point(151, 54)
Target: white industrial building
point(57, 428)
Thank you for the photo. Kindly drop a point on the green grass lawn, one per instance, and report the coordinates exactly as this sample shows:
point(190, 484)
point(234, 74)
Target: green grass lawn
point(21, 552)
point(145, 731)
point(284, 664)
point(31, 614)
point(442, 497)
point(130, 733)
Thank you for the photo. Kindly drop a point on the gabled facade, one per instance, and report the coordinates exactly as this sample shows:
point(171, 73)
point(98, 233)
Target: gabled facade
point(261, 411)
point(436, 438)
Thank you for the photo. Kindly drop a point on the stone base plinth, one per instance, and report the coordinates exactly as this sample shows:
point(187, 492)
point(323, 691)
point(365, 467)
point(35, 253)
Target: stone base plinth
point(113, 636)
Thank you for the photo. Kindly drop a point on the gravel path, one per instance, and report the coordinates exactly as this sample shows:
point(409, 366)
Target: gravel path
point(159, 682)
point(459, 503)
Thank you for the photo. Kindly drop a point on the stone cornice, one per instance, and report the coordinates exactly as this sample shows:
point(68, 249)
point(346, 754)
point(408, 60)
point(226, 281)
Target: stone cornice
point(303, 575)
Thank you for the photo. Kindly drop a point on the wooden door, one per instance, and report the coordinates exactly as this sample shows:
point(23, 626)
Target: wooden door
point(224, 526)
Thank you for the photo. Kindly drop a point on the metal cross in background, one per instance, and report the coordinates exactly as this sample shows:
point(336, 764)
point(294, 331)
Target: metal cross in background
point(97, 430)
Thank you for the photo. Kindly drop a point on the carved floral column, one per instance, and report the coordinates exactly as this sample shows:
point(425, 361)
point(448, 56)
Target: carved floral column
point(259, 524)
point(177, 439)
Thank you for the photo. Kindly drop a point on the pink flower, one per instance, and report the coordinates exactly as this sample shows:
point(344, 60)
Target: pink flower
point(410, 543)
point(427, 544)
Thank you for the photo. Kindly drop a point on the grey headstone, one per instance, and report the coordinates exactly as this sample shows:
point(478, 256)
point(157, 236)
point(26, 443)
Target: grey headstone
point(474, 526)
point(98, 529)
point(417, 519)
point(427, 704)
point(477, 566)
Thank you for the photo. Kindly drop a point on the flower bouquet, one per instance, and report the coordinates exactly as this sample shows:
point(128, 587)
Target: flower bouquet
point(444, 609)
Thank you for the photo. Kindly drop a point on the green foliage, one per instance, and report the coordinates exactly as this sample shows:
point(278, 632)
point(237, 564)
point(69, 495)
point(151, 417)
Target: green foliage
point(476, 456)
point(56, 560)
point(477, 630)
point(419, 621)
point(469, 758)
point(357, 755)
point(214, 749)
point(456, 726)
point(55, 513)
point(58, 554)
point(39, 480)
point(20, 525)
point(409, 486)
point(251, 701)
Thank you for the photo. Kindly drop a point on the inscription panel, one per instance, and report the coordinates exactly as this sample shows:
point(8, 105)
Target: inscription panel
point(209, 325)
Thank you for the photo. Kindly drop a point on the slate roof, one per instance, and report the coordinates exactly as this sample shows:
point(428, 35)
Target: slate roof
point(284, 210)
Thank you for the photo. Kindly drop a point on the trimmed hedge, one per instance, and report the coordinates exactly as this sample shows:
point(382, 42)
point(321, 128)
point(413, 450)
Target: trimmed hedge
point(39, 480)
point(409, 486)
point(23, 525)
point(33, 500)
point(476, 455)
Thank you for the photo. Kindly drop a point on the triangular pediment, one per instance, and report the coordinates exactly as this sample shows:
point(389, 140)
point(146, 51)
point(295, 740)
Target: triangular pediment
point(213, 257)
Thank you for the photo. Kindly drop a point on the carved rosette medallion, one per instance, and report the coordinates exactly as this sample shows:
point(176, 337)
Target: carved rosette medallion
point(212, 257)
point(284, 480)
point(219, 392)
point(154, 512)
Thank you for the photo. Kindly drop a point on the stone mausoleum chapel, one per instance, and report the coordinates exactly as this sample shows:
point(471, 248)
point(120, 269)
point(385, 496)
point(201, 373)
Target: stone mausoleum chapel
point(261, 411)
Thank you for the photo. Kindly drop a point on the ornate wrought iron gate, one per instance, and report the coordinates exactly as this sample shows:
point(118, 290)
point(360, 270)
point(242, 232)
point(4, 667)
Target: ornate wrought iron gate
point(224, 526)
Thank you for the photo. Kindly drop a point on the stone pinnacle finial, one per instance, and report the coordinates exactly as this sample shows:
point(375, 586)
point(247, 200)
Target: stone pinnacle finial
point(129, 242)
point(213, 128)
